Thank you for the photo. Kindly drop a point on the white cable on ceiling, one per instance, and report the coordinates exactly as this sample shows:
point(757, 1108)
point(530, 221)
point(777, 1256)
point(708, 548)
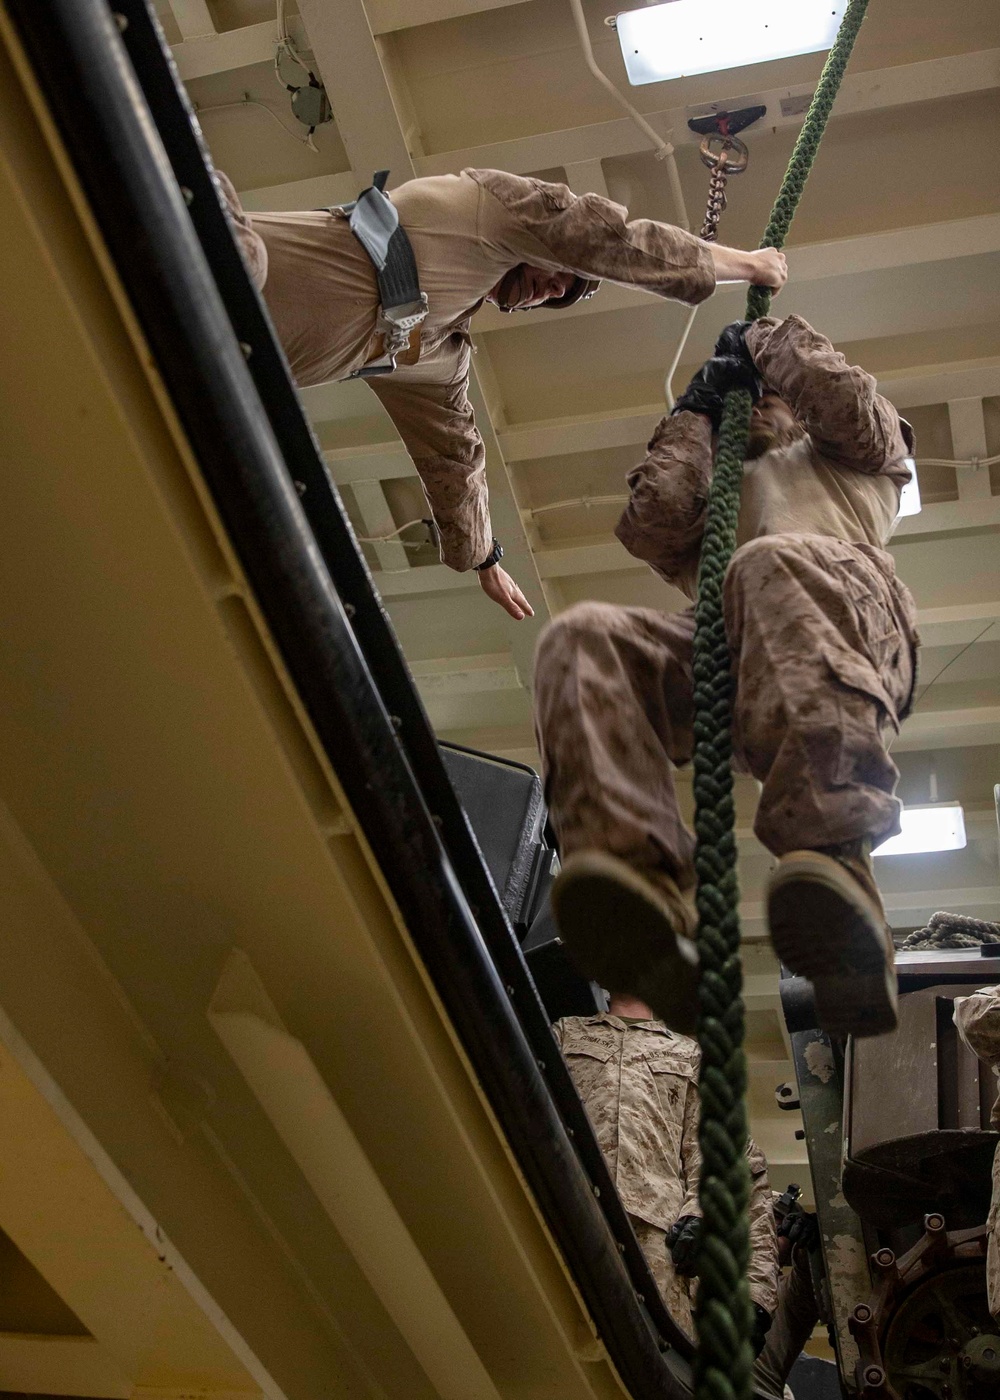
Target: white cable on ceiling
point(664, 149)
point(386, 539)
point(248, 101)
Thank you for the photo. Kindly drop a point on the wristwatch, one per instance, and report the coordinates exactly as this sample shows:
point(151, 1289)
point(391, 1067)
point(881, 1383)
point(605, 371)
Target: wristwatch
point(494, 557)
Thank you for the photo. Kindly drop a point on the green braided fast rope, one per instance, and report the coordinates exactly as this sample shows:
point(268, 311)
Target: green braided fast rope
point(723, 1311)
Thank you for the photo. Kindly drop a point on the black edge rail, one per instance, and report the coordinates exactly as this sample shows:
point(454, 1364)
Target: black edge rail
point(229, 381)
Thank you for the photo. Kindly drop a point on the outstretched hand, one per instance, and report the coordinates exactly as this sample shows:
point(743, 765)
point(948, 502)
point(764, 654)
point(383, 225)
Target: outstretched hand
point(769, 268)
point(497, 584)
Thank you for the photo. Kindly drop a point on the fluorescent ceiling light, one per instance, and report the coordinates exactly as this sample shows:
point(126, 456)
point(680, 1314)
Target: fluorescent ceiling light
point(940, 826)
point(691, 36)
point(909, 497)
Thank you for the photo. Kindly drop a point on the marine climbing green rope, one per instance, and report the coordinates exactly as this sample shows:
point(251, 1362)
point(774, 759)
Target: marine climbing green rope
point(723, 1313)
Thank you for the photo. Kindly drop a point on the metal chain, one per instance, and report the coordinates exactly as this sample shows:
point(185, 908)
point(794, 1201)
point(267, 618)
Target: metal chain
point(730, 159)
point(716, 205)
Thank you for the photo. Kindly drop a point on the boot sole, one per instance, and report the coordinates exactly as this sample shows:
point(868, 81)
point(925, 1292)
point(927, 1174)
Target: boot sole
point(624, 940)
point(823, 928)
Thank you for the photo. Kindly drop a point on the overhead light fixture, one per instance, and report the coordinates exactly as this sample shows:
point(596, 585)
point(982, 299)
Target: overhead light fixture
point(939, 826)
point(909, 497)
point(685, 37)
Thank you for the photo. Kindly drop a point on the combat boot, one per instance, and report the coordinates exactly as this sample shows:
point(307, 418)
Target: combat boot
point(631, 932)
point(828, 924)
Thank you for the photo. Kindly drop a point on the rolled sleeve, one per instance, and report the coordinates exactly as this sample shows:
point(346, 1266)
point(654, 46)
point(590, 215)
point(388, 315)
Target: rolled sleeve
point(549, 226)
point(430, 409)
point(837, 403)
point(664, 520)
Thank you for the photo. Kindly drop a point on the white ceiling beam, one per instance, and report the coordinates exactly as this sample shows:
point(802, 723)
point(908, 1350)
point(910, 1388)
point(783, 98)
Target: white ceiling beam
point(316, 193)
point(587, 177)
point(381, 461)
point(950, 729)
point(232, 49)
point(421, 579)
point(813, 262)
point(345, 52)
point(384, 16)
point(193, 18)
point(968, 443)
point(559, 437)
point(931, 384)
point(376, 518)
point(878, 90)
point(632, 426)
point(573, 560)
point(945, 518)
point(949, 518)
point(610, 556)
point(473, 689)
point(477, 674)
point(465, 675)
point(957, 625)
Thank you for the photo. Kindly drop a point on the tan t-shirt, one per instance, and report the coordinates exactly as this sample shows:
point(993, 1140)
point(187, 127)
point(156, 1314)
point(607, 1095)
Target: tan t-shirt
point(467, 231)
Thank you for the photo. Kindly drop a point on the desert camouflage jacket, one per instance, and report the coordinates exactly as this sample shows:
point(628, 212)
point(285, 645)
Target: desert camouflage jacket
point(639, 1084)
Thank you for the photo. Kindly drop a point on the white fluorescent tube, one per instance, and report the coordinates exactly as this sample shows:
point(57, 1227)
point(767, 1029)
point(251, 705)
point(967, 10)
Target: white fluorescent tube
point(939, 826)
point(685, 37)
point(909, 497)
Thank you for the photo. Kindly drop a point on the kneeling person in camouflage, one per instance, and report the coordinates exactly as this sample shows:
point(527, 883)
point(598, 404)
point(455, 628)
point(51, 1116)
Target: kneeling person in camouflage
point(823, 644)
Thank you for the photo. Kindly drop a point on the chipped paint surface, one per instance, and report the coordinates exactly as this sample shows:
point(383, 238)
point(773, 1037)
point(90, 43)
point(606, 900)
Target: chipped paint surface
point(819, 1060)
point(848, 1279)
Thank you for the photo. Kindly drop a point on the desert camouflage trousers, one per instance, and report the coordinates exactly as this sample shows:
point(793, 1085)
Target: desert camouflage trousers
point(676, 1292)
point(791, 1329)
point(823, 642)
point(770, 1368)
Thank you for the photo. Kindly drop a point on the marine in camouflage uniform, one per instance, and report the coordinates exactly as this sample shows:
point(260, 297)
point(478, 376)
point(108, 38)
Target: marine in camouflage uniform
point(639, 1084)
point(481, 235)
point(978, 1020)
point(823, 643)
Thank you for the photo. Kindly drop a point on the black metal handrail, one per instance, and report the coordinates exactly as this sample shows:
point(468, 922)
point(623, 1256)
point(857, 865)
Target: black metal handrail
point(129, 131)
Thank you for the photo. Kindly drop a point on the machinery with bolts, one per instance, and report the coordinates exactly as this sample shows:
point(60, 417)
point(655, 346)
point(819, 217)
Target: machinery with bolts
point(902, 1187)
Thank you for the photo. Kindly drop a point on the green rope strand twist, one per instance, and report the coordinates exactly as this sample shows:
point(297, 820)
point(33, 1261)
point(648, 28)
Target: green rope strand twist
point(723, 1313)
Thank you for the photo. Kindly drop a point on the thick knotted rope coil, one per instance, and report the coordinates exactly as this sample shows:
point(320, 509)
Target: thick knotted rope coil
point(723, 1313)
point(951, 931)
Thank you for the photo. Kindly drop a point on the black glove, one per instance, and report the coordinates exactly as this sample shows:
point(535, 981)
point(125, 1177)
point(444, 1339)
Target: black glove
point(708, 388)
point(682, 1241)
point(733, 341)
point(732, 345)
point(800, 1227)
point(700, 397)
point(759, 1329)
